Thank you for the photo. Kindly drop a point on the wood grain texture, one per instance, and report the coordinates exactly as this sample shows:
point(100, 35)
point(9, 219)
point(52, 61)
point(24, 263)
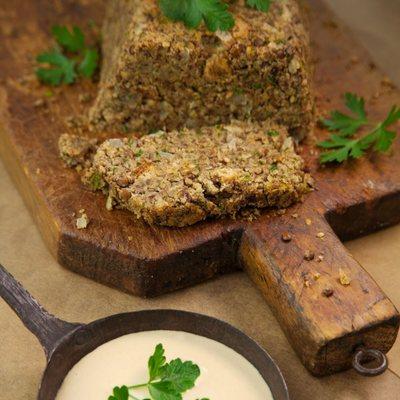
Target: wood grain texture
point(118, 250)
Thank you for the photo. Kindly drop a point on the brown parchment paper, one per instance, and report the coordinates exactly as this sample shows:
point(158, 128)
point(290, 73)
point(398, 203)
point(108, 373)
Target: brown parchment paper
point(232, 298)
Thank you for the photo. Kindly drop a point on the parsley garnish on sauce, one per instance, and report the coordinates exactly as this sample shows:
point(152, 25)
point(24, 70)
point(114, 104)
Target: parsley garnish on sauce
point(342, 144)
point(214, 13)
point(167, 381)
point(69, 59)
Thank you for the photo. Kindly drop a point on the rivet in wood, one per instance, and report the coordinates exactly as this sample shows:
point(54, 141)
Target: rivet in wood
point(286, 237)
point(309, 255)
point(327, 292)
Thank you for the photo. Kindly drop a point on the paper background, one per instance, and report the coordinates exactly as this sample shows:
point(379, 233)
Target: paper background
point(232, 298)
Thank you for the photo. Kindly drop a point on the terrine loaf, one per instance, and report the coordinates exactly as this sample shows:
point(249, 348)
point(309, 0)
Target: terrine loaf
point(158, 74)
point(182, 177)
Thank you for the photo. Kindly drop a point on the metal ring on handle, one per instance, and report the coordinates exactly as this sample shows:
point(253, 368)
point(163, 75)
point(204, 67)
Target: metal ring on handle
point(363, 355)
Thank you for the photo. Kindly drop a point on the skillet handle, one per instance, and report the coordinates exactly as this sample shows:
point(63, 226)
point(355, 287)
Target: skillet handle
point(48, 329)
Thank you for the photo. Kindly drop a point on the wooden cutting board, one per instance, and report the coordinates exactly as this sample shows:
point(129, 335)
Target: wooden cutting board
point(116, 249)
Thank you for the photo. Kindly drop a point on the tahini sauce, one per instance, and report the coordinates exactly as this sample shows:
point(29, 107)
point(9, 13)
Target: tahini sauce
point(225, 374)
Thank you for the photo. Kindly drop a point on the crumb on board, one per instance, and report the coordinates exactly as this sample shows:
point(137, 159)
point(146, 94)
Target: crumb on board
point(308, 221)
point(320, 258)
point(309, 255)
point(39, 103)
point(83, 221)
point(76, 150)
point(320, 235)
point(84, 97)
point(316, 276)
point(344, 279)
point(109, 203)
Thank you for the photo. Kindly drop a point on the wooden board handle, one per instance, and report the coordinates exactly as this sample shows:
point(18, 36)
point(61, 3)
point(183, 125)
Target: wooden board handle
point(47, 328)
point(326, 303)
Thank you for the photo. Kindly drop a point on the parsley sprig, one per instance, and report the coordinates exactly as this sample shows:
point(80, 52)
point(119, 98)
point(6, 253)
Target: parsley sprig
point(342, 144)
point(167, 381)
point(214, 13)
point(69, 59)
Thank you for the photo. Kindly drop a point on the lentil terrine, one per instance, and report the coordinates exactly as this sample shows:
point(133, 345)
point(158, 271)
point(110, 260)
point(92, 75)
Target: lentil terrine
point(158, 74)
point(185, 176)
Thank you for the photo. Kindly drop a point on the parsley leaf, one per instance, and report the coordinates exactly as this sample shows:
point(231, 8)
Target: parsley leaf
point(342, 146)
point(163, 391)
point(345, 124)
point(72, 41)
point(174, 9)
point(119, 393)
point(156, 362)
point(214, 13)
point(192, 12)
point(62, 69)
point(260, 5)
point(167, 381)
point(181, 375)
point(384, 137)
point(88, 65)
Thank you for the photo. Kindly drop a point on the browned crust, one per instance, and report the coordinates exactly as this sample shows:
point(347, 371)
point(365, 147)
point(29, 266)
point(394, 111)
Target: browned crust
point(161, 75)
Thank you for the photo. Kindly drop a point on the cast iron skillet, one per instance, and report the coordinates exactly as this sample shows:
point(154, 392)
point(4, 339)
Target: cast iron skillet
point(65, 343)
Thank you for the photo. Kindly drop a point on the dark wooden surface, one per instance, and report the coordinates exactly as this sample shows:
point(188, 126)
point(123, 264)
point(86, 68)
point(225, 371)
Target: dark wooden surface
point(116, 249)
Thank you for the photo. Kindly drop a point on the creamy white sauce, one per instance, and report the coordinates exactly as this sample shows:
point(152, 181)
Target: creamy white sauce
point(225, 374)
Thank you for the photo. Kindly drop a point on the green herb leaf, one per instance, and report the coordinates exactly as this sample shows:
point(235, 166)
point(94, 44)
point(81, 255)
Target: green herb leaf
point(62, 69)
point(343, 149)
point(95, 181)
point(191, 12)
point(260, 5)
point(120, 393)
point(181, 375)
point(216, 16)
point(384, 137)
point(273, 167)
point(156, 362)
point(89, 64)
point(163, 391)
point(174, 9)
point(166, 381)
point(342, 146)
point(139, 153)
point(72, 41)
point(345, 124)
point(273, 132)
